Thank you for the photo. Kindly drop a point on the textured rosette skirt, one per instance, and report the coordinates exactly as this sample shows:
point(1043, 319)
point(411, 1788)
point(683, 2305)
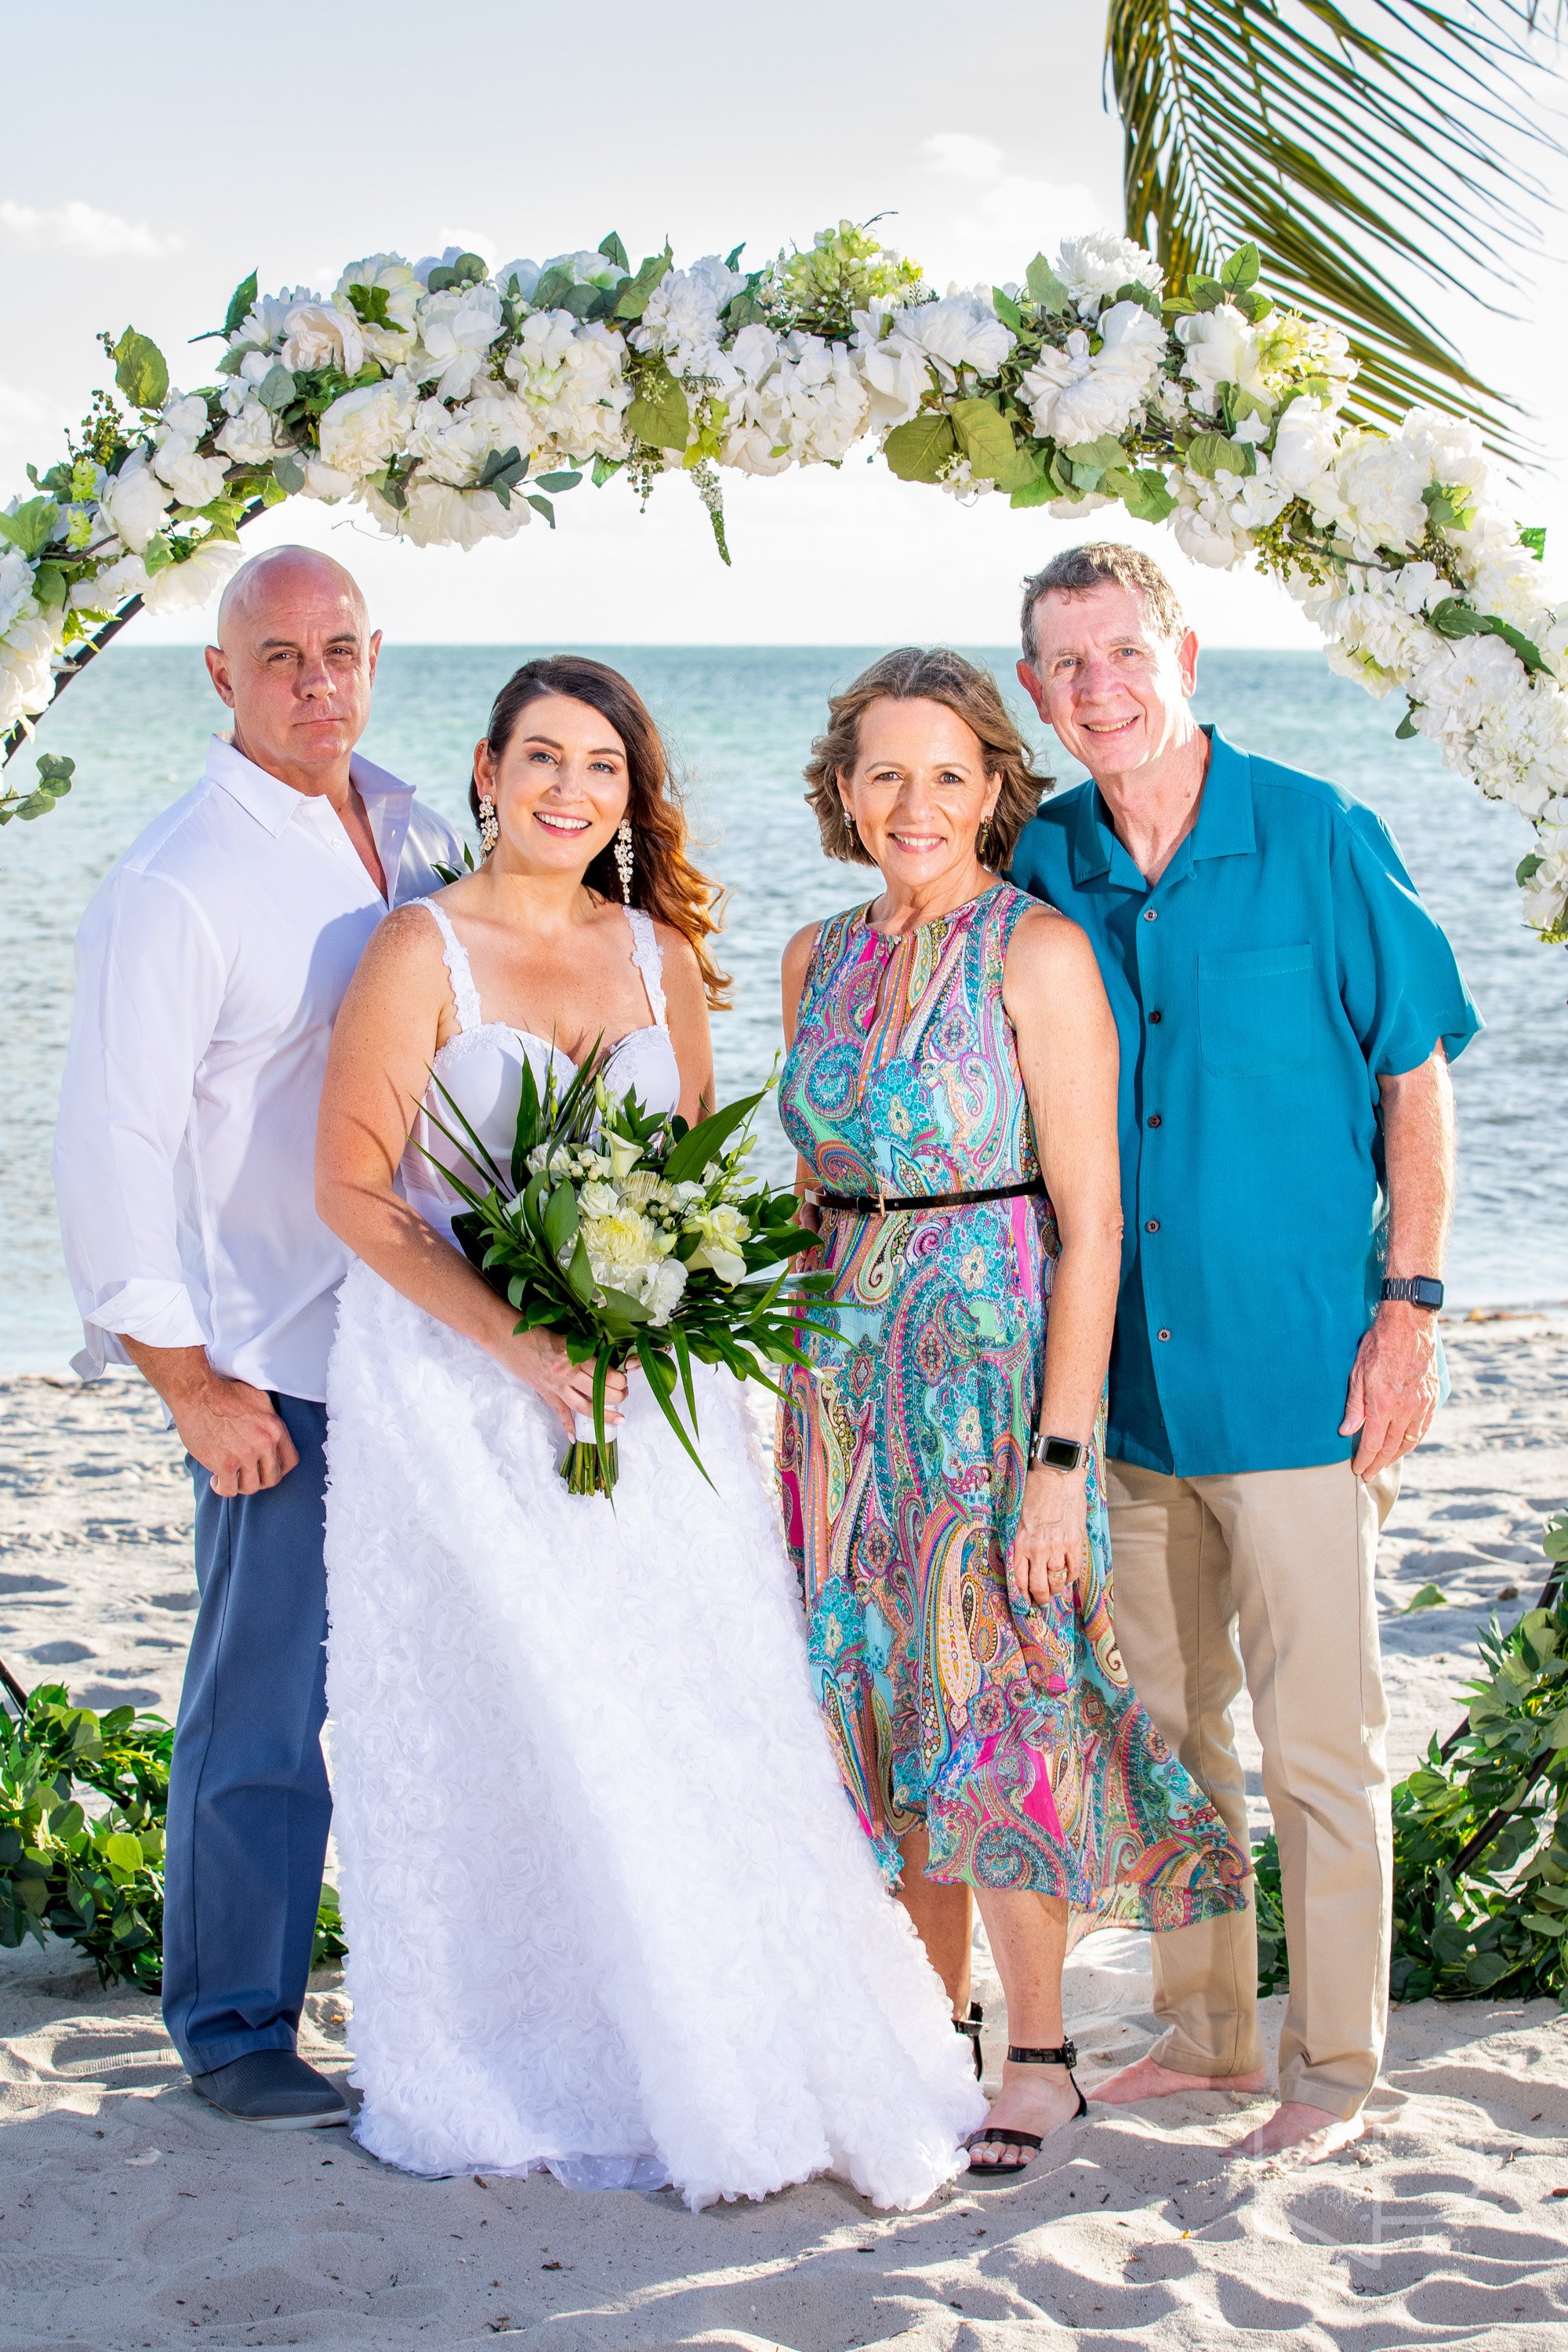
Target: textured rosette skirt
point(607, 1908)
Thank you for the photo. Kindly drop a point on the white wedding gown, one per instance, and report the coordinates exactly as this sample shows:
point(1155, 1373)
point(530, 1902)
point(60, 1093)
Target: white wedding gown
point(607, 1909)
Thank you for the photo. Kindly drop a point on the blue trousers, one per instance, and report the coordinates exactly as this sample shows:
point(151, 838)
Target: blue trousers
point(249, 1802)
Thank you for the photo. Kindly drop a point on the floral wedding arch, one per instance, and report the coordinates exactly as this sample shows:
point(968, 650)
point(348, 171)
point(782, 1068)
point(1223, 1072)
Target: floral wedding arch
point(454, 405)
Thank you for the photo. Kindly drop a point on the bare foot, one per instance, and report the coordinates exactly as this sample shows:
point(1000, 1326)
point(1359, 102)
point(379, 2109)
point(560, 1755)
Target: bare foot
point(1146, 2080)
point(1309, 2131)
point(1034, 2099)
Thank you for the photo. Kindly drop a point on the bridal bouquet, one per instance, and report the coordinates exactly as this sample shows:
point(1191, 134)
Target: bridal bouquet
point(638, 1239)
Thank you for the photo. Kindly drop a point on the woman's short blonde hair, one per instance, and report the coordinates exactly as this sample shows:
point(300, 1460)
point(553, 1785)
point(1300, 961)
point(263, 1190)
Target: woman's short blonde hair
point(935, 675)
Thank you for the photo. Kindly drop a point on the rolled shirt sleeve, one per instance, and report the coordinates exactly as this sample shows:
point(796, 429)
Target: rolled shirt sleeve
point(150, 986)
point(1400, 983)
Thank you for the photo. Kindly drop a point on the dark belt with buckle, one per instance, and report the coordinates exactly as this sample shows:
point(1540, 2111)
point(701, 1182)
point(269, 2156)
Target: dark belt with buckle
point(886, 1204)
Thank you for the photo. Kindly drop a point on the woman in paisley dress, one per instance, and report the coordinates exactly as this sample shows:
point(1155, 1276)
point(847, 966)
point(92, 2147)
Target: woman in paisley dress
point(952, 1042)
point(606, 1910)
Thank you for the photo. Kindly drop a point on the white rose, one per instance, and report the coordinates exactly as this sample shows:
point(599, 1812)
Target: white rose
point(362, 430)
point(135, 502)
point(527, 274)
point(128, 576)
point(1304, 443)
point(960, 330)
point(894, 371)
point(755, 350)
point(325, 482)
point(598, 1200)
point(389, 274)
point(1221, 348)
point(321, 335)
point(457, 329)
point(1206, 538)
point(250, 436)
point(196, 481)
point(586, 269)
point(181, 587)
point(27, 668)
point(15, 585)
point(440, 515)
point(1076, 394)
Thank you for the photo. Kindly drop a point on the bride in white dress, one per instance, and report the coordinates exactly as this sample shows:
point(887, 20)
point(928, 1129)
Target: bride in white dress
point(607, 1909)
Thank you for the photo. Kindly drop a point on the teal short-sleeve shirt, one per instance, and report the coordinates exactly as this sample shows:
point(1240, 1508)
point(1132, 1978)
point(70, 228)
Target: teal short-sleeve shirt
point(1282, 963)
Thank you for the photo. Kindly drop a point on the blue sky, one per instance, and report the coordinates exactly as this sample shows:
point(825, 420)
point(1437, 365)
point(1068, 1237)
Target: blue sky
point(150, 162)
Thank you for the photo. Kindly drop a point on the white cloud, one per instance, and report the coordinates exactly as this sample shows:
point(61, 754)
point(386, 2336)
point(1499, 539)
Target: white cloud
point(1008, 216)
point(78, 227)
point(966, 157)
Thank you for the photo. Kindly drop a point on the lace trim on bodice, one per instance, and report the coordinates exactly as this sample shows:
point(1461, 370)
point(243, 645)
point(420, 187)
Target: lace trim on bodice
point(455, 956)
point(647, 954)
point(648, 958)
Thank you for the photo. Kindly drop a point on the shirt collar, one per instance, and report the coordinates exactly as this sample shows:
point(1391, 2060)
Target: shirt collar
point(1224, 827)
point(272, 803)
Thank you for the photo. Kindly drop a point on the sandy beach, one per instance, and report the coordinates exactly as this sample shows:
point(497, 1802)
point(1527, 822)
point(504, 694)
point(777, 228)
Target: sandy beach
point(1448, 2225)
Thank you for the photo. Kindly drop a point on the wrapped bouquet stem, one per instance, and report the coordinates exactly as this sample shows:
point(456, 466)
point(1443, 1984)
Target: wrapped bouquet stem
point(640, 1240)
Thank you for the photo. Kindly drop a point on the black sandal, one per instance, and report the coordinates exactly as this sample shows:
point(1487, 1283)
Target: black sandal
point(972, 2025)
point(1008, 2136)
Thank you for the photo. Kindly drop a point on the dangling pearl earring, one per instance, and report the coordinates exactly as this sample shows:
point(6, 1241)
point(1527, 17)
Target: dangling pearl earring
point(624, 857)
point(489, 830)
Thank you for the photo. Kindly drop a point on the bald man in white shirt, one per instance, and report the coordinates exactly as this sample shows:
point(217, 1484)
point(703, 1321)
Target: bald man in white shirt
point(209, 969)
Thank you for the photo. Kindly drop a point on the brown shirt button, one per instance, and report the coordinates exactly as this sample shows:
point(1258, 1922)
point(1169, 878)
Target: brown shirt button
point(1155, 1019)
point(1155, 1120)
point(1164, 1335)
point(1152, 1226)
point(1151, 914)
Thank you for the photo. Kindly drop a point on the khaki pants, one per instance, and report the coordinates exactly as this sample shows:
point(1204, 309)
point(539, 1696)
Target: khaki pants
point(1281, 1561)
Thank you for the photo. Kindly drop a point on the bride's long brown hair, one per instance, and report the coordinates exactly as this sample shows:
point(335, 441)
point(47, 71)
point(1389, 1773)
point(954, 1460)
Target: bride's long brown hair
point(664, 882)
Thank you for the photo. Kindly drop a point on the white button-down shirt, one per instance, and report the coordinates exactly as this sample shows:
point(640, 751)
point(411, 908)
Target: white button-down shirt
point(210, 967)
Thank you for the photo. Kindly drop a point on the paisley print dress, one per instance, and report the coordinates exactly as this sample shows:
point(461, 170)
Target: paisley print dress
point(1008, 1731)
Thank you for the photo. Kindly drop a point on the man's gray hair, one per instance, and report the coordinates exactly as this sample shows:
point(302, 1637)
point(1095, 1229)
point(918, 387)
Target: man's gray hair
point(1080, 569)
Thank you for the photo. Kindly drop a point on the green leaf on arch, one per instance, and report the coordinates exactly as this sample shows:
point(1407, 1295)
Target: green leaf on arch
point(918, 451)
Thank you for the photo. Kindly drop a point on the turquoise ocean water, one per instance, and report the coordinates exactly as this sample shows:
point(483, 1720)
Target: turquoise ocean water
point(740, 720)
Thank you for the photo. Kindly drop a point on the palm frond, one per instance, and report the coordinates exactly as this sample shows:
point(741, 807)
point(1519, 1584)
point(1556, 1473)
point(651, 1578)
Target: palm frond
point(1357, 155)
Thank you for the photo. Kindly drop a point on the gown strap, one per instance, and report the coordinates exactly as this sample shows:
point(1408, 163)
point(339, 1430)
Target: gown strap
point(465, 995)
point(647, 956)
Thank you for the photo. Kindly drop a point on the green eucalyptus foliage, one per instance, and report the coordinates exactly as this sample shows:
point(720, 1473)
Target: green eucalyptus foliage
point(95, 1880)
point(1481, 1830)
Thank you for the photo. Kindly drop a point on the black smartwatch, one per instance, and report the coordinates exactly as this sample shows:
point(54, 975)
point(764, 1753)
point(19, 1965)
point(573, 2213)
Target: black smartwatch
point(1058, 1453)
point(1416, 1290)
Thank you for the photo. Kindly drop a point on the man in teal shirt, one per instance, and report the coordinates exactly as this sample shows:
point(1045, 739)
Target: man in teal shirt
point(1287, 1011)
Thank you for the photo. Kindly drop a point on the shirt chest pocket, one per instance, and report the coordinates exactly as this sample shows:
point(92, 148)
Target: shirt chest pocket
point(1255, 1011)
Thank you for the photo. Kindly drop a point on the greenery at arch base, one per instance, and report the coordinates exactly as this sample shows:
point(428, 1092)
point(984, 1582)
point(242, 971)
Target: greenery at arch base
point(1480, 1833)
point(449, 403)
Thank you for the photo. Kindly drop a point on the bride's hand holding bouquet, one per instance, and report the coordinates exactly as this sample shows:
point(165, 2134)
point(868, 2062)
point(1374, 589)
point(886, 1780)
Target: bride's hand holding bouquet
point(629, 1237)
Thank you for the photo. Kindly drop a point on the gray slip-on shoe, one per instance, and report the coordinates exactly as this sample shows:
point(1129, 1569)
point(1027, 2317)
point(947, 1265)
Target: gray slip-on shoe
point(273, 2089)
